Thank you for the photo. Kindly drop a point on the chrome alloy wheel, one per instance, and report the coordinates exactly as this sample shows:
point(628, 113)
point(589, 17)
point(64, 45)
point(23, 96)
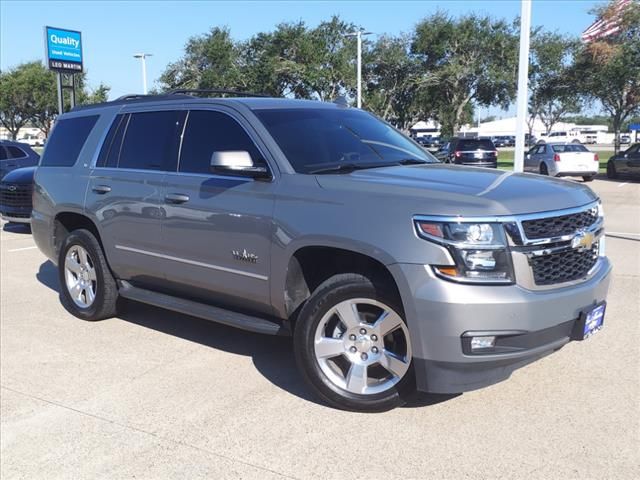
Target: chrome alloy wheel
point(80, 276)
point(362, 346)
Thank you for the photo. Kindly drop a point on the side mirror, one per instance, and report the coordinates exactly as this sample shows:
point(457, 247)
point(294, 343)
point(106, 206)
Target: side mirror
point(237, 163)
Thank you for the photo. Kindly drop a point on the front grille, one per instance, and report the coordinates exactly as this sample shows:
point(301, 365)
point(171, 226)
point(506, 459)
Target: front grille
point(564, 266)
point(15, 195)
point(558, 226)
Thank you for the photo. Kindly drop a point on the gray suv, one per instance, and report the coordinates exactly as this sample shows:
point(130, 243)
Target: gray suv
point(392, 272)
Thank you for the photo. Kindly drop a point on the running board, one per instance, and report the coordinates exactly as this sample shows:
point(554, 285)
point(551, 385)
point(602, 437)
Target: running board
point(202, 310)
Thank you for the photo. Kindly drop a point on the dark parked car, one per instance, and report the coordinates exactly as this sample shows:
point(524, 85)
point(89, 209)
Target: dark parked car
point(479, 152)
point(16, 155)
point(625, 163)
point(499, 141)
point(428, 141)
point(15, 195)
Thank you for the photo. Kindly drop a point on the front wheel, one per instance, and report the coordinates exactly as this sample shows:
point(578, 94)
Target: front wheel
point(352, 345)
point(87, 287)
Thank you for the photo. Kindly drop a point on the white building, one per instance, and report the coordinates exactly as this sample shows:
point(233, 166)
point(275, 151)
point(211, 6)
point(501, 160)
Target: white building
point(507, 126)
point(25, 133)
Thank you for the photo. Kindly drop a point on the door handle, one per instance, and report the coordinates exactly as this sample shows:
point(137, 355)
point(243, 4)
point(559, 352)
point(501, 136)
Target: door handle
point(101, 189)
point(177, 198)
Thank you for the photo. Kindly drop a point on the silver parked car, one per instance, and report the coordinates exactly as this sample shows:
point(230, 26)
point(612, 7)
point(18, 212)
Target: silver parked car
point(391, 271)
point(562, 160)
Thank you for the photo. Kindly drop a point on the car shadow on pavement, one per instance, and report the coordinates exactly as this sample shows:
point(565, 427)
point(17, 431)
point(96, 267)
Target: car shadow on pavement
point(271, 355)
point(23, 228)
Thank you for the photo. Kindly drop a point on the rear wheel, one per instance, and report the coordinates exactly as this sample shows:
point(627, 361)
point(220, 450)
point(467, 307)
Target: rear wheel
point(587, 178)
point(352, 345)
point(543, 169)
point(611, 170)
point(87, 287)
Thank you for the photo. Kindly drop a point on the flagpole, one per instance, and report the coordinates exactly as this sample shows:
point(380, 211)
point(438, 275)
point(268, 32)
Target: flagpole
point(523, 81)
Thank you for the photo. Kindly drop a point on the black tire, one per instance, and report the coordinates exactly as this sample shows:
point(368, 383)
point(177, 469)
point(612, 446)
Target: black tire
point(611, 170)
point(331, 292)
point(106, 290)
point(588, 178)
point(543, 169)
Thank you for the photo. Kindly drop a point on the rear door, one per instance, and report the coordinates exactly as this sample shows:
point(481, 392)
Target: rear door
point(631, 163)
point(126, 187)
point(218, 228)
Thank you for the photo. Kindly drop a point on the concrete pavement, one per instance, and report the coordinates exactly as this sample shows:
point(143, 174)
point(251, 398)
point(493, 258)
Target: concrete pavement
point(154, 394)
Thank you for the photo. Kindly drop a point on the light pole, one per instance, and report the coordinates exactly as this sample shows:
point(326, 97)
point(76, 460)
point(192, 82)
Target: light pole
point(358, 34)
point(523, 85)
point(143, 57)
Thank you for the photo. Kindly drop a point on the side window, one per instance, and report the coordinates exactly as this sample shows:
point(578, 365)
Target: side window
point(111, 147)
point(15, 152)
point(207, 132)
point(66, 141)
point(151, 140)
point(3, 153)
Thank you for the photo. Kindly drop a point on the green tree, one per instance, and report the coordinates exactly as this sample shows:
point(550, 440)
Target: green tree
point(17, 103)
point(608, 70)
point(473, 59)
point(553, 93)
point(28, 94)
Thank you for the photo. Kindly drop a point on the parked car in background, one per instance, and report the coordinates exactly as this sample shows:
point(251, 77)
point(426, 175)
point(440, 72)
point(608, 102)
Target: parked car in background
point(478, 152)
point(499, 141)
point(16, 155)
point(32, 141)
point(625, 139)
point(562, 160)
point(428, 141)
point(16, 188)
point(625, 163)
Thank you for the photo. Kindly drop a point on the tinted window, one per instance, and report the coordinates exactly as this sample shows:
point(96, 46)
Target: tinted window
point(3, 153)
point(66, 141)
point(15, 152)
point(482, 144)
point(111, 147)
point(316, 138)
point(569, 148)
point(151, 141)
point(207, 132)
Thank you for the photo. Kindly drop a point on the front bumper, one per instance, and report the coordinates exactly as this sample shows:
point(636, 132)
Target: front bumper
point(15, 214)
point(439, 313)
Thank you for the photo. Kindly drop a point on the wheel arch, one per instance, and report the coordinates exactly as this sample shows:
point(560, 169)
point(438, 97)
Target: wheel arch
point(310, 265)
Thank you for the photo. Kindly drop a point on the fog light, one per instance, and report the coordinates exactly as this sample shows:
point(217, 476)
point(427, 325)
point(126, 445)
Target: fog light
point(482, 342)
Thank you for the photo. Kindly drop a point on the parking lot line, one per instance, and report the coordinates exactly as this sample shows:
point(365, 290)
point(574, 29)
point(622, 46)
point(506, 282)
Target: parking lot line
point(23, 248)
point(624, 233)
point(623, 184)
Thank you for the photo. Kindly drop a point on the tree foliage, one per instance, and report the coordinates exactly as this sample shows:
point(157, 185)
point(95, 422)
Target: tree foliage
point(473, 59)
point(608, 70)
point(28, 95)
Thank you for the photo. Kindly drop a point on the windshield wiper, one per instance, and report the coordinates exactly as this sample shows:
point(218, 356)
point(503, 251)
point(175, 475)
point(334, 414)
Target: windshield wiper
point(411, 161)
point(346, 168)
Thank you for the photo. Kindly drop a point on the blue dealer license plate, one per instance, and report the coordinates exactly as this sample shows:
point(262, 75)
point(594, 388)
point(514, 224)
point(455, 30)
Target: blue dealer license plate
point(592, 320)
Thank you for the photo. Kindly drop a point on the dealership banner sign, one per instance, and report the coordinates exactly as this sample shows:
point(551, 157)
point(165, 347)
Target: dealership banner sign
point(63, 49)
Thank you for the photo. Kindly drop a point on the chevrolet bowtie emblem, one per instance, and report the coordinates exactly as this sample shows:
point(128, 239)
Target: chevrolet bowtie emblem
point(12, 188)
point(582, 240)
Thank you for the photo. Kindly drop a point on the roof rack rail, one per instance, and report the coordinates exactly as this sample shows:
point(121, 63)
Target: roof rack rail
point(189, 91)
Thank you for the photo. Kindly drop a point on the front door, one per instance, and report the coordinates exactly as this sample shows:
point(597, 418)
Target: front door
point(217, 229)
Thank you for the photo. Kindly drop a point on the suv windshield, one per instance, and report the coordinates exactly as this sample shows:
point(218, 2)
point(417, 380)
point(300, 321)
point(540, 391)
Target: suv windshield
point(314, 139)
point(481, 144)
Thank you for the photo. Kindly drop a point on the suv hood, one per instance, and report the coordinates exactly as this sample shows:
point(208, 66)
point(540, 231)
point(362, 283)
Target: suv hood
point(448, 190)
point(20, 175)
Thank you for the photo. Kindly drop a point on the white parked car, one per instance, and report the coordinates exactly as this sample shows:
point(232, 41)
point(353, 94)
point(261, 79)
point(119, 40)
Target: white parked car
point(562, 160)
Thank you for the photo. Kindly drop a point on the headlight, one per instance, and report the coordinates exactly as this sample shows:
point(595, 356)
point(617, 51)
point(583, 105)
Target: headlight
point(478, 249)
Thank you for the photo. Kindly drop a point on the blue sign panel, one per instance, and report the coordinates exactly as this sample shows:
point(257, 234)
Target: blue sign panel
point(634, 126)
point(64, 49)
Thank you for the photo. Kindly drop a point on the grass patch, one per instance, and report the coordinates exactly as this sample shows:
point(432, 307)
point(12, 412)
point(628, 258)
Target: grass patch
point(505, 159)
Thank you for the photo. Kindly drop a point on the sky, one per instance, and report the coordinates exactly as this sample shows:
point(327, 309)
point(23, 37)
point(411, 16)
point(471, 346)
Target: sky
point(112, 31)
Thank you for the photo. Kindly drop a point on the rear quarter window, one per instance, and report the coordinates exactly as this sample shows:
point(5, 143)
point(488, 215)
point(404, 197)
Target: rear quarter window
point(66, 141)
